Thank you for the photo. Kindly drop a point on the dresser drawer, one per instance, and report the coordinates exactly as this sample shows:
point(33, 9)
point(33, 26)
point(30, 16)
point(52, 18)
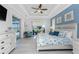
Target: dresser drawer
point(11, 35)
point(4, 42)
point(5, 49)
point(75, 51)
point(7, 42)
point(4, 36)
point(3, 52)
point(76, 45)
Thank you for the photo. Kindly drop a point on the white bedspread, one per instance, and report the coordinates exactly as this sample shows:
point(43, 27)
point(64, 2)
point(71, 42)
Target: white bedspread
point(46, 39)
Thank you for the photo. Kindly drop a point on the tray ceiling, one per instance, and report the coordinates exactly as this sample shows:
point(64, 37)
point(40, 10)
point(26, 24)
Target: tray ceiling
point(30, 11)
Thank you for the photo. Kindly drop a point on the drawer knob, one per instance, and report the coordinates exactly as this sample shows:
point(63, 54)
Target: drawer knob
point(6, 35)
point(2, 52)
point(2, 48)
point(2, 42)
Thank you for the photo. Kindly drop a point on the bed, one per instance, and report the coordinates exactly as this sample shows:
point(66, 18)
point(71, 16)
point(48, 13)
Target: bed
point(49, 42)
point(46, 41)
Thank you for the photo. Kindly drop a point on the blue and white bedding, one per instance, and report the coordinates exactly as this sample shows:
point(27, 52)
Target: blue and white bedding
point(46, 39)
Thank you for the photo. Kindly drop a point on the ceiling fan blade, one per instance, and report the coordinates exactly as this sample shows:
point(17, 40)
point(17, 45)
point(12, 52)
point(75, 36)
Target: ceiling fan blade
point(34, 8)
point(35, 12)
point(44, 9)
point(40, 5)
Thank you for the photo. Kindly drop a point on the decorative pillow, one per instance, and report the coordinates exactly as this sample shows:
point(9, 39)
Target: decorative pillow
point(69, 34)
point(51, 33)
point(56, 33)
point(62, 34)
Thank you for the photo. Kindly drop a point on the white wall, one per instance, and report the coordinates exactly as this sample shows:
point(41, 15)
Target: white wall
point(12, 10)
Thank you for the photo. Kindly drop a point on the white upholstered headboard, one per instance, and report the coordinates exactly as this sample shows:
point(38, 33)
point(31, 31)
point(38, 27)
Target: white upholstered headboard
point(68, 27)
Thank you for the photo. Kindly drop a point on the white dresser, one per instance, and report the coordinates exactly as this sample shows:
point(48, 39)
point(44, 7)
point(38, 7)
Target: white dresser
point(76, 47)
point(7, 42)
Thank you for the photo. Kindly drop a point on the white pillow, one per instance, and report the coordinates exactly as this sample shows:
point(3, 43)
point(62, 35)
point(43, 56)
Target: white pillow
point(62, 34)
point(69, 34)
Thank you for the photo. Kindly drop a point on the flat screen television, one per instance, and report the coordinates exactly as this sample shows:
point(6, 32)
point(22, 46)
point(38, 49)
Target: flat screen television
point(3, 13)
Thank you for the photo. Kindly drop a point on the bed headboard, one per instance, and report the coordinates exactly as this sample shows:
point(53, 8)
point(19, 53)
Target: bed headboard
point(68, 27)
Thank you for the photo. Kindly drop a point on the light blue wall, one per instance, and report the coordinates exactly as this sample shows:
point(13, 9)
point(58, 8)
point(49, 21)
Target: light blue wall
point(75, 8)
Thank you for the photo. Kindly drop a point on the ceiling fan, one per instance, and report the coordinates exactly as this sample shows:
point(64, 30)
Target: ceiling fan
point(39, 9)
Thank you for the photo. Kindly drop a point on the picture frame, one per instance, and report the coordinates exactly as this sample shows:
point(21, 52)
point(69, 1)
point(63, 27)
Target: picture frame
point(69, 16)
point(59, 20)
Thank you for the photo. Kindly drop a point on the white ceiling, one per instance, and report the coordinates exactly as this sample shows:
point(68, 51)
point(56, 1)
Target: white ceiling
point(53, 9)
point(28, 8)
point(27, 11)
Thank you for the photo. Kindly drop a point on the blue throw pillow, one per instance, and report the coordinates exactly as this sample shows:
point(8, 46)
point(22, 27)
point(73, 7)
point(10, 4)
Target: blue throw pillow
point(56, 33)
point(51, 33)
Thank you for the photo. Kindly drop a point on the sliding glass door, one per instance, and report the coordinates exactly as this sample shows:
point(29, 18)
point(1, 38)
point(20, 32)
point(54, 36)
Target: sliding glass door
point(16, 26)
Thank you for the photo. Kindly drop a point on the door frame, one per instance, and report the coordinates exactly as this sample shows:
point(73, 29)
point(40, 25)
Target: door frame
point(19, 24)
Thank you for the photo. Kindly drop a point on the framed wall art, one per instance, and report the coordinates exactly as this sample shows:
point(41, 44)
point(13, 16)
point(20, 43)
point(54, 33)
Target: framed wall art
point(69, 16)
